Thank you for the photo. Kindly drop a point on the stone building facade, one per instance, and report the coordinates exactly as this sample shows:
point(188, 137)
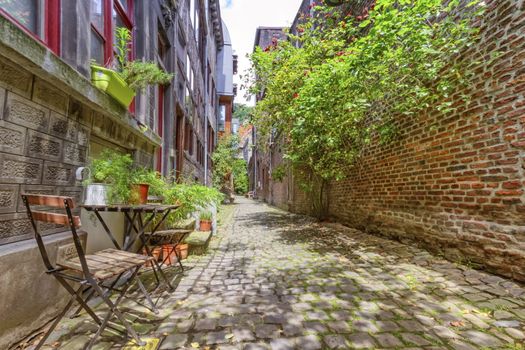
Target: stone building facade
point(53, 120)
point(455, 183)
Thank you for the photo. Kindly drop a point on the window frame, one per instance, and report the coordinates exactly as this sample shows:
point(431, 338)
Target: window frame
point(52, 29)
point(108, 31)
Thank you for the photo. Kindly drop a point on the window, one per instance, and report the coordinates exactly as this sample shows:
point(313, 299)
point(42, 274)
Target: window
point(222, 117)
point(38, 18)
point(106, 16)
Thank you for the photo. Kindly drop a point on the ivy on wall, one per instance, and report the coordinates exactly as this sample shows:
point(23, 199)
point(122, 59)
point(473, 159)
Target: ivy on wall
point(346, 79)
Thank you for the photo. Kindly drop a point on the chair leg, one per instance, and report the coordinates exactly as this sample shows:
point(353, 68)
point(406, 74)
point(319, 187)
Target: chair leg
point(82, 302)
point(114, 310)
point(74, 295)
point(147, 296)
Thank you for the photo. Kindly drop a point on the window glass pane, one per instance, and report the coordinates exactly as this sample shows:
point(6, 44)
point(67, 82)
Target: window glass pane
point(28, 13)
point(222, 117)
point(97, 48)
point(97, 14)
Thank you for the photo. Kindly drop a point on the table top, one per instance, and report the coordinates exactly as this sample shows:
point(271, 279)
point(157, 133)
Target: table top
point(142, 208)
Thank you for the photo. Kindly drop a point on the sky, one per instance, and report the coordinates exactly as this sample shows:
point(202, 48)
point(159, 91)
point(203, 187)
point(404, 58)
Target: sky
point(244, 16)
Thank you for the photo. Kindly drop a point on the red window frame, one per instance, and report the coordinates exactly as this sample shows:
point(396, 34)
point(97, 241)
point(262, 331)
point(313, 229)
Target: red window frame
point(160, 125)
point(51, 26)
point(107, 33)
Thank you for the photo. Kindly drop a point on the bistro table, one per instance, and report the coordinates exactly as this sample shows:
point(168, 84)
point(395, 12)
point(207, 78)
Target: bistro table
point(138, 219)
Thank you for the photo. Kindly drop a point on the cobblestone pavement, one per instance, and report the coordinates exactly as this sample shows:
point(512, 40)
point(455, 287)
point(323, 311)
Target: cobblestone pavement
point(273, 280)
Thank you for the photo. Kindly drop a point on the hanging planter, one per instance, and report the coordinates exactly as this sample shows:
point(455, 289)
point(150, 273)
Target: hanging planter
point(112, 83)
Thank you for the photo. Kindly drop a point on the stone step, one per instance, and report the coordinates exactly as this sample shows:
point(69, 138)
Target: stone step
point(198, 242)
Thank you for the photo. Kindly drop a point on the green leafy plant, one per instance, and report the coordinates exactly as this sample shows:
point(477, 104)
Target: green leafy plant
point(158, 185)
point(137, 74)
point(229, 172)
point(190, 197)
point(206, 216)
point(347, 81)
point(114, 169)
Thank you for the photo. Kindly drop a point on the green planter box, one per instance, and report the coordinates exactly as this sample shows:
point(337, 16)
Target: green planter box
point(112, 83)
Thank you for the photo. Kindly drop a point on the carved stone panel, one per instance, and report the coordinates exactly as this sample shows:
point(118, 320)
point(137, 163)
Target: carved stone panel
point(18, 169)
point(63, 127)
point(26, 113)
point(48, 95)
point(83, 135)
point(58, 174)
point(2, 99)
point(14, 78)
point(8, 198)
point(14, 227)
point(12, 138)
point(43, 146)
point(74, 154)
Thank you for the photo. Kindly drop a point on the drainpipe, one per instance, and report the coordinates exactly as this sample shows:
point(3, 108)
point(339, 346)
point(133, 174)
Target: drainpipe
point(206, 9)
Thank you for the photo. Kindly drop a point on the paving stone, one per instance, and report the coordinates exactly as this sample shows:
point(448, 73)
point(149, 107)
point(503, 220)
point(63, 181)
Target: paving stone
point(335, 341)
point(388, 340)
point(282, 344)
point(243, 335)
point(174, 341)
point(414, 339)
point(309, 342)
point(208, 324)
point(267, 331)
point(482, 339)
point(362, 341)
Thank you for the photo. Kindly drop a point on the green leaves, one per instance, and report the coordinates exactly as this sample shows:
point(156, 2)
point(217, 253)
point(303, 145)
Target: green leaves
point(350, 83)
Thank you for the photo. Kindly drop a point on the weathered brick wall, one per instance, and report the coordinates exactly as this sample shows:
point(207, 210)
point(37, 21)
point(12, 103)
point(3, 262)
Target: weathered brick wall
point(44, 138)
point(455, 183)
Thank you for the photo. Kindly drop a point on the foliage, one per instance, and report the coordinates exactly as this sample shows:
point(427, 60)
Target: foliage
point(190, 197)
point(351, 80)
point(157, 183)
point(243, 112)
point(229, 172)
point(137, 74)
point(206, 216)
point(240, 176)
point(114, 169)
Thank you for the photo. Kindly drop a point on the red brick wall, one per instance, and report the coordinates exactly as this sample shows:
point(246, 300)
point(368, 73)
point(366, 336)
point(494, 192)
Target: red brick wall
point(455, 183)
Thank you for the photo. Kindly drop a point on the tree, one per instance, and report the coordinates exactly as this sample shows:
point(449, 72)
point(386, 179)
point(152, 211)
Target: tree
point(229, 172)
point(243, 112)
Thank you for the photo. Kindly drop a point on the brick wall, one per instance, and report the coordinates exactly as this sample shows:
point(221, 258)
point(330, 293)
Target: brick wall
point(455, 183)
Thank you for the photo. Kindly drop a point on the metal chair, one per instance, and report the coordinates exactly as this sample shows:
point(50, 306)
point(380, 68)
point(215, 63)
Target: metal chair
point(90, 271)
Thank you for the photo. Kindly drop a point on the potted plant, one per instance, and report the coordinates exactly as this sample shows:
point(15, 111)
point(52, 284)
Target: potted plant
point(109, 179)
point(146, 182)
point(205, 220)
point(131, 75)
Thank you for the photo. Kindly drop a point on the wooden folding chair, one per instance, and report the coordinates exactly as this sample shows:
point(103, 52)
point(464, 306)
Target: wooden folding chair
point(90, 271)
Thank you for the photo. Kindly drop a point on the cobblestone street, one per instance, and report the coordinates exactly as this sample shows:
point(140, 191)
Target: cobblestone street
point(280, 281)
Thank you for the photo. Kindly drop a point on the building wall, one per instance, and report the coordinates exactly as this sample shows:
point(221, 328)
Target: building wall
point(452, 183)
point(52, 120)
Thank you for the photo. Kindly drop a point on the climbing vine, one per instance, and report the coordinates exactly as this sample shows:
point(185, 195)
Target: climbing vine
point(346, 79)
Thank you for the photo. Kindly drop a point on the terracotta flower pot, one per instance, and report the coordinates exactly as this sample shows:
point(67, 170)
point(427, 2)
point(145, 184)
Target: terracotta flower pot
point(205, 225)
point(156, 252)
point(168, 254)
point(139, 193)
point(182, 250)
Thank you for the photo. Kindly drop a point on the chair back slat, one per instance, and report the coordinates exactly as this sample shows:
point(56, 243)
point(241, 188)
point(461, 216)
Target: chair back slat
point(49, 201)
point(54, 218)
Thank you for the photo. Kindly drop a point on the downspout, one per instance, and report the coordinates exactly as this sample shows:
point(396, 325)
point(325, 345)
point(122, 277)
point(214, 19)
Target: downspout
point(206, 9)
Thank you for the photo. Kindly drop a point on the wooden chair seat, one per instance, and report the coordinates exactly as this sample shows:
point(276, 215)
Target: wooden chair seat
point(107, 263)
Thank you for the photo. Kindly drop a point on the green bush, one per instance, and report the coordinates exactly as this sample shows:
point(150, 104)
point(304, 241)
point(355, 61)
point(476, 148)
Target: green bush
point(114, 169)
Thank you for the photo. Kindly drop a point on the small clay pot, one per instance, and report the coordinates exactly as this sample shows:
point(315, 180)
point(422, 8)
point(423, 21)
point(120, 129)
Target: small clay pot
point(205, 225)
point(139, 193)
